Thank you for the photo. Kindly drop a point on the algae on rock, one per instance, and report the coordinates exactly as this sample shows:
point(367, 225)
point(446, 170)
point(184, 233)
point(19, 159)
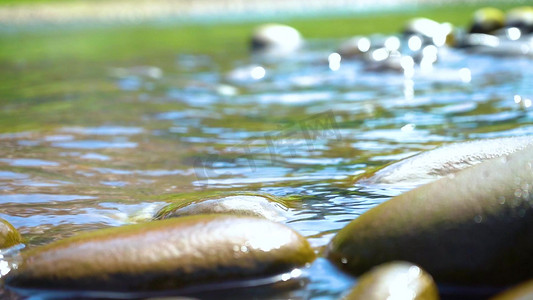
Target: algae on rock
point(9, 236)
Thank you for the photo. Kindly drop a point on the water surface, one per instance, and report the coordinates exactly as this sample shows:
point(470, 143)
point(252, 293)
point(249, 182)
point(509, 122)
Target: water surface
point(113, 147)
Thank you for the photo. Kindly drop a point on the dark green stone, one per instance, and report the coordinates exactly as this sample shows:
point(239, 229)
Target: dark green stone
point(9, 236)
point(473, 228)
point(442, 161)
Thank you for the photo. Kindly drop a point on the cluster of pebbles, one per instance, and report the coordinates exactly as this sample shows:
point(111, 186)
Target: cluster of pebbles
point(420, 43)
point(469, 226)
point(468, 221)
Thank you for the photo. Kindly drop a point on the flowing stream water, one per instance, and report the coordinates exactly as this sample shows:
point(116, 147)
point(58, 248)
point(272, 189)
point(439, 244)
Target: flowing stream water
point(114, 147)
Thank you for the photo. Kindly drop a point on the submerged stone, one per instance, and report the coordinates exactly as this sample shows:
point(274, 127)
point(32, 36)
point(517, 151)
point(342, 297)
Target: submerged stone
point(355, 47)
point(245, 204)
point(161, 255)
point(443, 161)
point(9, 236)
point(500, 45)
point(276, 39)
point(523, 291)
point(473, 228)
point(395, 280)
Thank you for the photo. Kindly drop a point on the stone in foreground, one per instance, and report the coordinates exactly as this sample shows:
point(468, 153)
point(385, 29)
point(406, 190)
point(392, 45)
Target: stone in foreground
point(523, 291)
point(471, 228)
point(164, 255)
point(9, 236)
point(442, 161)
point(253, 205)
point(395, 280)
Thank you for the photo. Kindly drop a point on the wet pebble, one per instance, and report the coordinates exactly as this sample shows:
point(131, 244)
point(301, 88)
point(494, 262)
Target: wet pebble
point(473, 228)
point(198, 251)
point(494, 33)
point(395, 280)
point(521, 18)
point(9, 236)
point(430, 31)
point(245, 204)
point(523, 291)
point(487, 20)
point(443, 161)
point(276, 40)
point(354, 47)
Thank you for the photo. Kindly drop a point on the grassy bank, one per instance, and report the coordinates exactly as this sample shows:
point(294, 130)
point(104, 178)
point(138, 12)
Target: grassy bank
point(55, 71)
point(138, 42)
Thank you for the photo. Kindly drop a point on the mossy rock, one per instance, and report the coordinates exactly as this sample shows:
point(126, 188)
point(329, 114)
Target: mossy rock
point(487, 20)
point(472, 228)
point(445, 160)
point(521, 17)
point(9, 236)
point(245, 204)
point(395, 280)
point(204, 250)
point(523, 291)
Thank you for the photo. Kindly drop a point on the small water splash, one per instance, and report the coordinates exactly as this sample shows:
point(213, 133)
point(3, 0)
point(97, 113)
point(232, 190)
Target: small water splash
point(132, 213)
point(10, 259)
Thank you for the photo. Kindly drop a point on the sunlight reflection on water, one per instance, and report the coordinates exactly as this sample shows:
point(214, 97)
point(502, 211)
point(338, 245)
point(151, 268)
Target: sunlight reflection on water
point(301, 126)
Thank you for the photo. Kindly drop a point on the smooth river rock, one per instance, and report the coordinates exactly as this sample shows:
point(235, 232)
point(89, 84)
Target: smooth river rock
point(9, 236)
point(520, 17)
point(178, 253)
point(246, 204)
point(395, 280)
point(442, 161)
point(523, 291)
point(487, 20)
point(355, 47)
point(276, 40)
point(472, 228)
point(430, 31)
